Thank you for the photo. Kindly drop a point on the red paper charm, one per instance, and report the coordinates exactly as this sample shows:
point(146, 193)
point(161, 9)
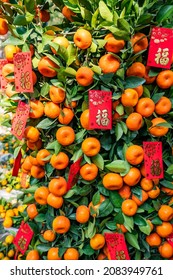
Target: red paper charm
point(74, 170)
point(23, 72)
point(160, 49)
point(23, 237)
point(117, 246)
point(20, 119)
point(153, 160)
point(3, 81)
point(17, 163)
point(100, 106)
point(170, 239)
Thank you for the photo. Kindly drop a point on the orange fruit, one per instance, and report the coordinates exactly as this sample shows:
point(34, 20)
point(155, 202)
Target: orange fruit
point(150, 224)
point(91, 206)
point(41, 155)
point(51, 110)
point(97, 241)
point(67, 13)
point(129, 207)
point(33, 255)
point(112, 44)
point(156, 129)
point(65, 135)
point(163, 106)
point(165, 229)
point(148, 79)
point(70, 104)
point(112, 181)
point(109, 63)
point(36, 109)
point(49, 235)
point(71, 254)
point(84, 119)
point(59, 161)
point(129, 97)
point(153, 239)
point(154, 192)
point(57, 94)
point(44, 15)
point(166, 250)
point(136, 69)
point(82, 38)
point(37, 172)
point(58, 186)
point(34, 145)
point(134, 154)
point(134, 121)
point(41, 195)
point(32, 211)
point(8, 222)
point(82, 214)
point(9, 90)
point(89, 171)
point(167, 191)
point(61, 224)
point(26, 165)
point(138, 200)
point(165, 213)
point(3, 26)
point(9, 51)
point(146, 184)
point(61, 41)
point(45, 67)
point(66, 115)
point(139, 90)
point(91, 146)
point(84, 76)
point(164, 79)
point(122, 228)
point(145, 107)
point(55, 201)
point(139, 42)
point(31, 133)
point(8, 69)
point(125, 191)
point(132, 177)
point(53, 254)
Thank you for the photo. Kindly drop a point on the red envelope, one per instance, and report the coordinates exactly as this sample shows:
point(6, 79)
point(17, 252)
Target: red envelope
point(17, 164)
point(3, 81)
point(23, 237)
point(117, 246)
point(170, 239)
point(73, 172)
point(160, 48)
point(20, 119)
point(153, 160)
point(100, 107)
point(23, 72)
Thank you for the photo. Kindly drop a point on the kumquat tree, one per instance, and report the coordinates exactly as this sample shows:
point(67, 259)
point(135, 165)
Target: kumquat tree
point(94, 135)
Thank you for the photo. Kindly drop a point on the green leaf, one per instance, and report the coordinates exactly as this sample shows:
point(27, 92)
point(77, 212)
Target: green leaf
point(164, 13)
point(70, 72)
point(91, 230)
point(45, 89)
point(94, 19)
point(87, 250)
point(119, 166)
point(98, 160)
point(128, 222)
point(54, 146)
point(164, 124)
point(86, 14)
point(170, 169)
point(16, 151)
point(77, 154)
point(118, 33)
point(139, 220)
point(105, 208)
point(46, 123)
point(132, 82)
point(132, 239)
point(96, 198)
point(120, 109)
point(167, 184)
point(20, 20)
point(71, 50)
point(105, 12)
point(106, 78)
point(123, 24)
point(43, 247)
point(118, 131)
point(156, 221)
point(145, 229)
point(115, 199)
point(12, 41)
point(40, 218)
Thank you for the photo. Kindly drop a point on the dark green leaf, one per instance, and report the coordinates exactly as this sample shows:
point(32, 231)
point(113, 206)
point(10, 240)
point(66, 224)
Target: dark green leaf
point(115, 198)
point(119, 166)
point(46, 123)
point(132, 82)
point(99, 161)
point(43, 247)
point(87, 250)
point(139, 220)
point(105, 208)
point(40, 218)
point(132, 239)
point(96, 198)
point(20, 20)
point(164, 13)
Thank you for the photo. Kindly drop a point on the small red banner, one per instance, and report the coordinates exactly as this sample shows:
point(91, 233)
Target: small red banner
point(100, 106)
point(160, 49)
point(23, 237)
point(20, 119)
point(3, 81)
point(17, 164)
point(117, 246)
point(170, 239)
point(23, 72)
point(73, 172)
point(153, 160)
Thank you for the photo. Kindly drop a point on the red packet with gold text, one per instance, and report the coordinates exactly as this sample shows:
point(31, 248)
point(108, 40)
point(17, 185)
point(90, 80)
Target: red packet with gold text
point(23, 237)
point(153, 160)
point(20, 119)
point(73, 172)
point(160, 48)
point(100, 107)
point(170, 239)
point(17, 164)
point(116, 246)
point(23, 72)
point(3, 81)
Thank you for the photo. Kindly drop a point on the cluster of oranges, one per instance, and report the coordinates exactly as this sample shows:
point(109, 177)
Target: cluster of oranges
point(72, 222)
